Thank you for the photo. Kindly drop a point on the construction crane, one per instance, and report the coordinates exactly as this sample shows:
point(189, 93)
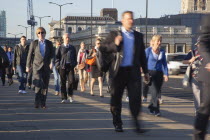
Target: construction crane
point(31, 20)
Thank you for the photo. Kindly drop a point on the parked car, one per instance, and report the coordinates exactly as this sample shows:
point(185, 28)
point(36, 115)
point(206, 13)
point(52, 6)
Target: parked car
point(175, 65)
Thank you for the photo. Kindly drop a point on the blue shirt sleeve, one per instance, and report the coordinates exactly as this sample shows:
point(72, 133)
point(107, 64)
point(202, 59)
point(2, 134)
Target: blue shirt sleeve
point(165, 66)
point(189, 56)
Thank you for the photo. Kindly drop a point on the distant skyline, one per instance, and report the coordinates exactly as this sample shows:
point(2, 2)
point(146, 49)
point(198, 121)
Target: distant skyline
point(16, 10)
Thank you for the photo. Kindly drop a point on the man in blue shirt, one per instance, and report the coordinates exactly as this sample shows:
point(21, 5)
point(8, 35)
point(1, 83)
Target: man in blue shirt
point(128, 47)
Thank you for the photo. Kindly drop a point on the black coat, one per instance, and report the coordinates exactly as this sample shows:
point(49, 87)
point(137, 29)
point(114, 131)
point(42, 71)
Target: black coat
point(61, 57)
point(204, 50)
point(109, 46)
point(18, 55)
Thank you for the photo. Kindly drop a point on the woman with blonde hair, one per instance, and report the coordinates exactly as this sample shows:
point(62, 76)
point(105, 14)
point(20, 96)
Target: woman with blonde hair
point(158, 70)
point(81, 57)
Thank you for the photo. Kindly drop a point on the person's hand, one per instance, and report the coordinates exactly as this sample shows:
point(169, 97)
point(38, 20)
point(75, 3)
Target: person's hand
point(14, 68)
point(192, 59)
point(165, 78)
point(27, 69)
point(146, 77)
point(117, 40)
point(208, 67)
point(51, 66)
point(94, 54)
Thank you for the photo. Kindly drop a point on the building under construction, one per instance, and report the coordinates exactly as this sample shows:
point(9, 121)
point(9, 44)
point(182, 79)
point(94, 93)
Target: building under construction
point(3, 24)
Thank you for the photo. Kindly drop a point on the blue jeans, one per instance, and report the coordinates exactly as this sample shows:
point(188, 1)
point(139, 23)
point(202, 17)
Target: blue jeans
point(56, 79)
point(22, 77)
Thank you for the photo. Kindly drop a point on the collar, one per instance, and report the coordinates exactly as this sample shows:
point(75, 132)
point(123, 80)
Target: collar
point(125, 31)
point(96, 48)
point(42, 40)
point(65, 45)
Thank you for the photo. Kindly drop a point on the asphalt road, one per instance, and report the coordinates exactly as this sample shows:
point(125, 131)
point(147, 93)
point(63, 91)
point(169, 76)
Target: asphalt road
point(89, 118)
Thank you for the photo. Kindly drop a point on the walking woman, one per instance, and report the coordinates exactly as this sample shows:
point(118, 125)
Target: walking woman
point(158, 70)
point(9, 69)
point(81, 57)
point(95, 73)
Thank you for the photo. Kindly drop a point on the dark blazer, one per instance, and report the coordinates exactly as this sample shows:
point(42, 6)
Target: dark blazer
point(18, 54)
point(34, 55)
point(109, 46)
point(61, 57)
point(4, 61)
point(204, 50)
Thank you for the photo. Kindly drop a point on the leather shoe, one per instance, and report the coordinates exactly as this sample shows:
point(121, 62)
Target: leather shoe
point(36, 106)
point(140, 131)
point(118, 128)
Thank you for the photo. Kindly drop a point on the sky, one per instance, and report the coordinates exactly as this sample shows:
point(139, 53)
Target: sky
point(16, 10)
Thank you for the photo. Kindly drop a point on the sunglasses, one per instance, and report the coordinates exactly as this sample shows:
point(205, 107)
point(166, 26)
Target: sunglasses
point(41, 32)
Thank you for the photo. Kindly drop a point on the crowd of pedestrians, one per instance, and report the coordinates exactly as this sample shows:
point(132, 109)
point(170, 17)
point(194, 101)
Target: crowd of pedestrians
point(34, 63)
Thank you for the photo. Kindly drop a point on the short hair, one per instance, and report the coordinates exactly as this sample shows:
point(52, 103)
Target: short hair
point(10, 47)
point(40, 29)
point(23, 37)
point(82, 42)
point(58, 41)
point(156, 37)
point(66, 34)
point(98, 39)
point(127, 12)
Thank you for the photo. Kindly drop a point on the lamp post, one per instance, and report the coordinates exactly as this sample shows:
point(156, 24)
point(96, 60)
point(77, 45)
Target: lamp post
point(91, 26)
point(40, 19)
point(60, 5)
point(25, 28)
point(15, 35)
point(146, 20)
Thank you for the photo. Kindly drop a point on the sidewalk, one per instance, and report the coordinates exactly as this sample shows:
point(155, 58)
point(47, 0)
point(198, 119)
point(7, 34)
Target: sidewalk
point(89, 118)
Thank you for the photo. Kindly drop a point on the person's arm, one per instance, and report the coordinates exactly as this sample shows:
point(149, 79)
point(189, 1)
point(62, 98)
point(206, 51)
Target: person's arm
point(58, 57)
point(189, 58)
point(30, 57)
point(111, 43)
point(143, 58)
point(14, 58)
point(165, 67)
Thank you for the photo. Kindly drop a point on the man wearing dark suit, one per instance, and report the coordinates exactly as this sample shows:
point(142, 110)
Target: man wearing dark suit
point(41, 51)
point(128, 47)
point(203, 113)
point(66, 60)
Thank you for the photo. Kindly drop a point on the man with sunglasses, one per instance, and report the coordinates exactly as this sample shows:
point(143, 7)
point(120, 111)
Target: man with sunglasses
point(41, 53)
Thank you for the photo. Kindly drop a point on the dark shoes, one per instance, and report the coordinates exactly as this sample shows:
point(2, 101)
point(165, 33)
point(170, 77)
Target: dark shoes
point(10, 82)
point(36, 106)
point(118, 128)
point(138, 129)
point(153, 112)
point(29, 87)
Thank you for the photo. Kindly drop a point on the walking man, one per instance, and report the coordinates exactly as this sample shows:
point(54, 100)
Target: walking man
point(203, 113)
point(65, 62)
point(42, 52)
point(19, 63)
point(129, 47)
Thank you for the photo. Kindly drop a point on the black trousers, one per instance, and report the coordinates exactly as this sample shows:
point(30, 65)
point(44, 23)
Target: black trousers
point(157, 82)
point(41, 83)
point(203, 113)
point(66, 74)
point(3, 75)
point(129, 77)
point(29, 80)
